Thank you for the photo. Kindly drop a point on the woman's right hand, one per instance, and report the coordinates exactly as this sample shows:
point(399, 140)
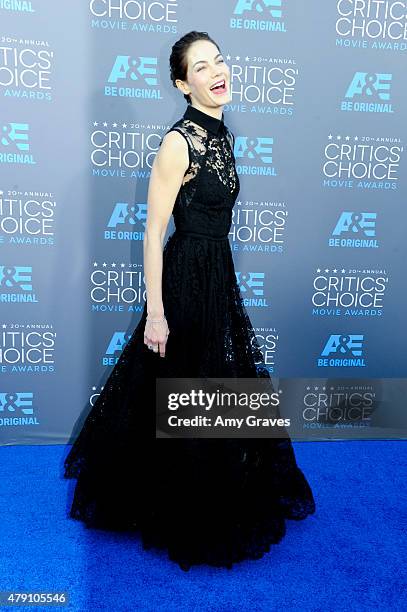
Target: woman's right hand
point(156, 335)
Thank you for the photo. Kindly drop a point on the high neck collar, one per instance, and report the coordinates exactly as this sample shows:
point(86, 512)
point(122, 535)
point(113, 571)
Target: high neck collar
point(206, 121)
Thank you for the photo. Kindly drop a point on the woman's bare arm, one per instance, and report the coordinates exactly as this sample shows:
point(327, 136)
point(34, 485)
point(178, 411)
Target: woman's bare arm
point(166, 178)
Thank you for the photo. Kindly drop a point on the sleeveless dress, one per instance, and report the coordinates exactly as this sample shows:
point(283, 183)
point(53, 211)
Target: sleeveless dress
point(203, 500)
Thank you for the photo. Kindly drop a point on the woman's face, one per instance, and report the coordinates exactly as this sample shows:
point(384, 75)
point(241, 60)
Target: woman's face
point(206, 69)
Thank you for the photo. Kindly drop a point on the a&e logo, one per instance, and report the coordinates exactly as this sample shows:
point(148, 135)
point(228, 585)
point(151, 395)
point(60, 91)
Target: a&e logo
point(346, 350)
point(116, 344)
point(258, 15)
point(133, 77)
point(254, 156)
point(17, 402)
point(125, 220)
point(251, 285)
point(14, 136)
point(16, 284)
point(355, 229)
point(368, 92)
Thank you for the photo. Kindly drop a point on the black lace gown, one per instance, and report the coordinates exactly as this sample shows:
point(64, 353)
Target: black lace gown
point(211, 501)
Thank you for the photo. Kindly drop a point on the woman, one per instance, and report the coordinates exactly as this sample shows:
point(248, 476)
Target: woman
point(213, 501)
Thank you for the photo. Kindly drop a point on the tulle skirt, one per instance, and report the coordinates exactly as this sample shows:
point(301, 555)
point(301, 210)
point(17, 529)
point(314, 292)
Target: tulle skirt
point(204, 500)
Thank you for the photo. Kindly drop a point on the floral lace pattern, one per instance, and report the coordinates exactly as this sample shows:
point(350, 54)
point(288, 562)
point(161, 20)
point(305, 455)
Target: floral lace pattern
point(209, 151)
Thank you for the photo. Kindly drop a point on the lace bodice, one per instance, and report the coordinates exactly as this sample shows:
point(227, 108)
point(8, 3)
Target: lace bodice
point(211, 184)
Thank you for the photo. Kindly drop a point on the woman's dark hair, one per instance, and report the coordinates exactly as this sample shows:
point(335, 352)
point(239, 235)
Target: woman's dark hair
point(178, 57)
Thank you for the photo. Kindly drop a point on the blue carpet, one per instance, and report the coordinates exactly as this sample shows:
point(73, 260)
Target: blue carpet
point(350, 555)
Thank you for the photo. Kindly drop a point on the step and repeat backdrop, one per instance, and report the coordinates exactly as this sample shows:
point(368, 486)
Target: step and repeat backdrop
point(319, 112)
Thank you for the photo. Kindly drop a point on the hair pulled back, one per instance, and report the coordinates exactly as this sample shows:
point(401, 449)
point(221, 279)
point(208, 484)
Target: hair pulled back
point(178, 57)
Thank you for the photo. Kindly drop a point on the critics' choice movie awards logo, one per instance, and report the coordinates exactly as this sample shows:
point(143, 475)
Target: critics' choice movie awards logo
point(26, 71)
point(368, 92)
point(150, 16)
point(348, 293)
point(17, 408)
point(372, 24)
point(258, 227)
point(325, 406)
point(15, 144)
point(133, 77)
point(263, 15)
point(117, 287)
point(27, 217)
point(355, 229)
point(16, 284)
point(28, 348)
point(126, 221)
point(361, 162)
point(267, 338)
point(20, 6)
point(263, 85)
point(124, 150)
point(127, 150)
